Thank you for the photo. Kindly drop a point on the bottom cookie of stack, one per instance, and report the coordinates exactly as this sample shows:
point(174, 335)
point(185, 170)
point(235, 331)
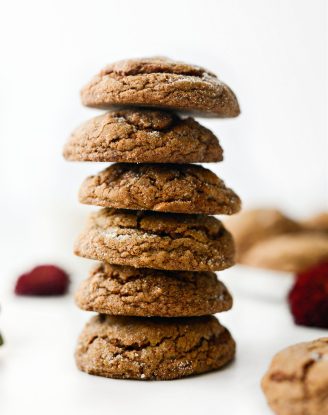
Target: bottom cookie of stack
point(153, 348)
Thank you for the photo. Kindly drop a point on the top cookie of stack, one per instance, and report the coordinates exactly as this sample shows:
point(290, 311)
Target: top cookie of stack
point(145, 136)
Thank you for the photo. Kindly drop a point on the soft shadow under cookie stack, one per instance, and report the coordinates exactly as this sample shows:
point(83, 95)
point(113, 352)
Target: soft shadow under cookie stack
point(155, 289)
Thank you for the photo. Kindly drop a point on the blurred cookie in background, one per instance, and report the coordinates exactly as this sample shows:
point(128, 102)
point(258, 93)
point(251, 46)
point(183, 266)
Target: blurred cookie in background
point(266, 238)
point(293, 252)
point(318, 222)
point(252, 226)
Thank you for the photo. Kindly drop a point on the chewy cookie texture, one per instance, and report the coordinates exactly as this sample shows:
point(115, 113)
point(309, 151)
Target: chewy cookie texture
point(152, 348)
point(119, 290)
point(155, 288)
point(164, 188)
point(143, 136)
point(157, 240)
point(163, 83)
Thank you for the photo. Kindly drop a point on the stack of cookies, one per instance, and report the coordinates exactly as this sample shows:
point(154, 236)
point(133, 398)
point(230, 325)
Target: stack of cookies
point(154, 289)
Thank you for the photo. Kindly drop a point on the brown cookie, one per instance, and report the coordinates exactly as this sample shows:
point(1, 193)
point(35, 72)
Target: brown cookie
point(297, 380)
point(161, 82)
point(252, 226)
point(317, 223)
point(153, 348)
point(144, 239)
point(291, 253)
point(119, 290)
point(164, 188)
point(143, 136)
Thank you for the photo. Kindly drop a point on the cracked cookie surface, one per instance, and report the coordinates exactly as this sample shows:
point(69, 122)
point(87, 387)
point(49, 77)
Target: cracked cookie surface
point(144, 239)
point(161, 82)
point(120, 290)
point(153, 348)
point(143, 136)
point(297, 380)
point(163, 188)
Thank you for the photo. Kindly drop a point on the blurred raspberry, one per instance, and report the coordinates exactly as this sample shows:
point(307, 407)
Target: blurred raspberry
point(308, 299)
point(43, 280)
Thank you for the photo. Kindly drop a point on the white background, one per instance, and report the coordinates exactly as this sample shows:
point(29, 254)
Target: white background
point(273, 53)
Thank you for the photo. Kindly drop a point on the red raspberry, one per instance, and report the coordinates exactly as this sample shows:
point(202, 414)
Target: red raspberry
point(308, 298)
point(43, 280)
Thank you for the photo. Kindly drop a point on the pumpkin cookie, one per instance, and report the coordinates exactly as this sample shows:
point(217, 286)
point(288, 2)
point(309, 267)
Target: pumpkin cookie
point(144, 239)
point(143, 136)
point(153, 348)
point(164, 188)
point(161, 82)
point(290, 253)
point(119, 290)
point(297, 380)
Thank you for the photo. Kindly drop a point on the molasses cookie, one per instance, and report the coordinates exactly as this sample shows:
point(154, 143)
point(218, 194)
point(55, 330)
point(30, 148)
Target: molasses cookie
point(297, 380)
point(164, 188)
point(143, 136)
point(144, 239)
point(121, 290)
point(163, 83)
point(153, 348)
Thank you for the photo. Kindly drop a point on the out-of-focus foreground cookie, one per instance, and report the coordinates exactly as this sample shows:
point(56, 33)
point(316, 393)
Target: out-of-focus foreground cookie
point(296, 382)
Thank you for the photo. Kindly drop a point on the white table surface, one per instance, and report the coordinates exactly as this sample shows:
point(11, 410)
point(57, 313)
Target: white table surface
point(38, 373)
